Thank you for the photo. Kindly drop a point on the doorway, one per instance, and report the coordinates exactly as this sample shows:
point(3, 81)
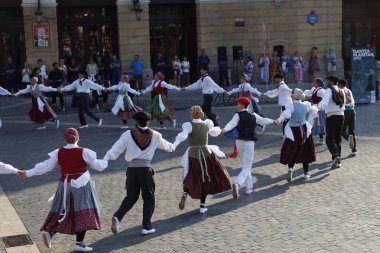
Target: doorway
point(173, 32)
point(279, 49)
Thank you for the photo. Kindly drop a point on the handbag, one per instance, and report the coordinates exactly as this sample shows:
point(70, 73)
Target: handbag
point(233, 133)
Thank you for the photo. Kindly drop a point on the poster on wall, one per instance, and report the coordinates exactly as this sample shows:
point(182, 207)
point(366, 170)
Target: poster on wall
point(363, 74)
point(41, 35)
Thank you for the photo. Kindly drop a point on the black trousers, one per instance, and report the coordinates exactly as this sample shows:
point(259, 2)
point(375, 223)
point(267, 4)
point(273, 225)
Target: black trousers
point(223, 77)
point(334, 125)
point(139, 179)
point(83, 108)
point(206, 107)
point(285, 121)
point(349, 122)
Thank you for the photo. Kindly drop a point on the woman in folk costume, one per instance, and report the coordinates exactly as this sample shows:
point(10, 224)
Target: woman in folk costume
point(41, 111)
point(4, 92)
point(319, 123)
point(159, 107)
point(203, 173)
point(76, 207)
point(124, 107)
point(298, 146)
point(246, 90)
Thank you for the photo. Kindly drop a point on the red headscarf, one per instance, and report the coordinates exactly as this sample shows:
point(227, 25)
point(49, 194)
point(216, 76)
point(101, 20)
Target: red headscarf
point(71, 135)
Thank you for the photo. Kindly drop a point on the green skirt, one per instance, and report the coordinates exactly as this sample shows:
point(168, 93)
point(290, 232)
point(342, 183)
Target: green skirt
point(155, 110)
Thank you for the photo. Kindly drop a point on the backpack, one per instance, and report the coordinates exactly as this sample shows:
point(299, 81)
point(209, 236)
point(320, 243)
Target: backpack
point(337, 96)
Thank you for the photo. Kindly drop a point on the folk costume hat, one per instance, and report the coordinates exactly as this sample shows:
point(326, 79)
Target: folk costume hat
point(71, 135)
point(243, 100)
point(141, 117)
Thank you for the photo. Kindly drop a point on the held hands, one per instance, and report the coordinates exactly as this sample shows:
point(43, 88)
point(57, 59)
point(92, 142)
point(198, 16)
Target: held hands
point(21, 174)
point(276, 122)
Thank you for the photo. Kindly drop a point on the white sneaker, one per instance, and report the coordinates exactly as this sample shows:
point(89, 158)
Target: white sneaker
point(82, 248)
point(306, 176)
point(124, 127)
point(57, 123)
point(334, 165)
point(339, 165)
point(100, 122)
point(1, 123)
point(41, 128)
point(353, 153)
point(235, 191)
point(351, 141)
point(289, 178)
point(174, 123)
point(84, 126)
point(115, 227)
point(203, 210)
point(46, 238)
point(248, 191)
point(147, 232)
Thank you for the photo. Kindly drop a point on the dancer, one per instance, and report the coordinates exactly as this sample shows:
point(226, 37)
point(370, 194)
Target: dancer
point(245, 122)
point(159, 107)
point(203, 173)
point(349, 117)
point(139, 145)
point(124, 107)
point(83, 87)
point(76, 207)
point(4, 92)
point(316, 93)
point(283, 92)
point(333, 103)
point(208, 86)
point(41, 112)
point(298, 146)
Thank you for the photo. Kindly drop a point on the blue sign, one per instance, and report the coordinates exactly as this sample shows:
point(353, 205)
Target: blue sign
point(363, 70)
point(312, 18)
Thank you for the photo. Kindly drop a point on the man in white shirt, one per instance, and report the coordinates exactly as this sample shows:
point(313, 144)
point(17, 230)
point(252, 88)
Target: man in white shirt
point(283, 92)
point(208, 87)
point(334, 110)
point(83, 87)
point(139, 145)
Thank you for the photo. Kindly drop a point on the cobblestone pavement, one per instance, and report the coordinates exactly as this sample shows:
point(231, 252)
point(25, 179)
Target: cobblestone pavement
point(336, 211)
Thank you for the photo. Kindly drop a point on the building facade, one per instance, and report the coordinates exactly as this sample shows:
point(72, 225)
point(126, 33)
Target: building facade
point(83, 29)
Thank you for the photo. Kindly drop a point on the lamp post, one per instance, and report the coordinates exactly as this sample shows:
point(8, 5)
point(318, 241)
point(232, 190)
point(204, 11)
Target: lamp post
point(38, 13)
point(137, 9)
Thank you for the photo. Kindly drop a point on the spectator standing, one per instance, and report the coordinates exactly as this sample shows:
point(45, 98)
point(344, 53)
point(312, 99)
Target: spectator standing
point(264, 69)
point(102, 94)
point(331, 62)
point(223, 71)
point(44, 73)
point(55, 80)
point(107, 66)
point(176, 65)
point(10, 75)
point(285, 65)
point(92, 69)
point(185, 67)
point(100, 63)
point(26, 72)
point(137, 65)
point(377, 79)
point(73, 70)
point(313, 64)
point(275, 66)
point(248, 67)
point(115, 68)
point(297, 65)
point(37, 73)
point(203, 60)
point(62, 66)
point(159, 64)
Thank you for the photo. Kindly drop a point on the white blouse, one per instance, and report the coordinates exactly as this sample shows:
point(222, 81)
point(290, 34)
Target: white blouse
point(7, 169)
point(88, 155)
point(41, 87)
point(187, 129)
point(320, 92)
point(163, 85)
point(124, 87)
point(244, 87)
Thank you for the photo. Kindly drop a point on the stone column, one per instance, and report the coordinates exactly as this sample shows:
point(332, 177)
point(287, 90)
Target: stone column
point(50, 53)
point(134, 36)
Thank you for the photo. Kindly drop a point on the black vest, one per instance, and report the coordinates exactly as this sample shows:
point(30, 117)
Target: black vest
point(246, 126)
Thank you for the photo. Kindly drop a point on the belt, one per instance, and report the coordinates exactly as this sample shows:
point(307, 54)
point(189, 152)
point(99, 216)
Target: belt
point(139, 163)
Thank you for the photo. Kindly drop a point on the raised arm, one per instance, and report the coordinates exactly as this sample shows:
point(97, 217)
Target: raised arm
point(194, 86)
point(233, 91)
point(7, 169)
point(289, 108)
point(119, 147)
point(309, 93)
point(253, 90)
point(164, 144)
point(70, 87)
point(169, 86)
point(133, 91)
point(271, 93)
point(45, 166)
point(89, 157)
point(213, 85)
point(182, 136)
point(23, 91)
point(95, 86)
point(262, 121)
point(46, 88)
point(4, 92)
point(213, 131)
point(233, 123)
point(149, 88)
point(113, 87)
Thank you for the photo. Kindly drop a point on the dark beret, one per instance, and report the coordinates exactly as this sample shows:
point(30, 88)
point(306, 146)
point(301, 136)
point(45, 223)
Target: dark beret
point(279, 76)
point(141, 117)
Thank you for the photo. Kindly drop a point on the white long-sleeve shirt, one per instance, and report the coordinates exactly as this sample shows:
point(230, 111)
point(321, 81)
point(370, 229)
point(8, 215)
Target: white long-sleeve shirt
point(244, 87)
point(41, 87)
point(283, 92)
point(4, 92)
point(126, 144)
point(207, 85)
point(235, 120)
point(187, 128)
point(83, 86)
point(320, 92)
point(88, 155)
point(7, 169)
point(124, 87)
point(163, 85)
point(329, 105)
